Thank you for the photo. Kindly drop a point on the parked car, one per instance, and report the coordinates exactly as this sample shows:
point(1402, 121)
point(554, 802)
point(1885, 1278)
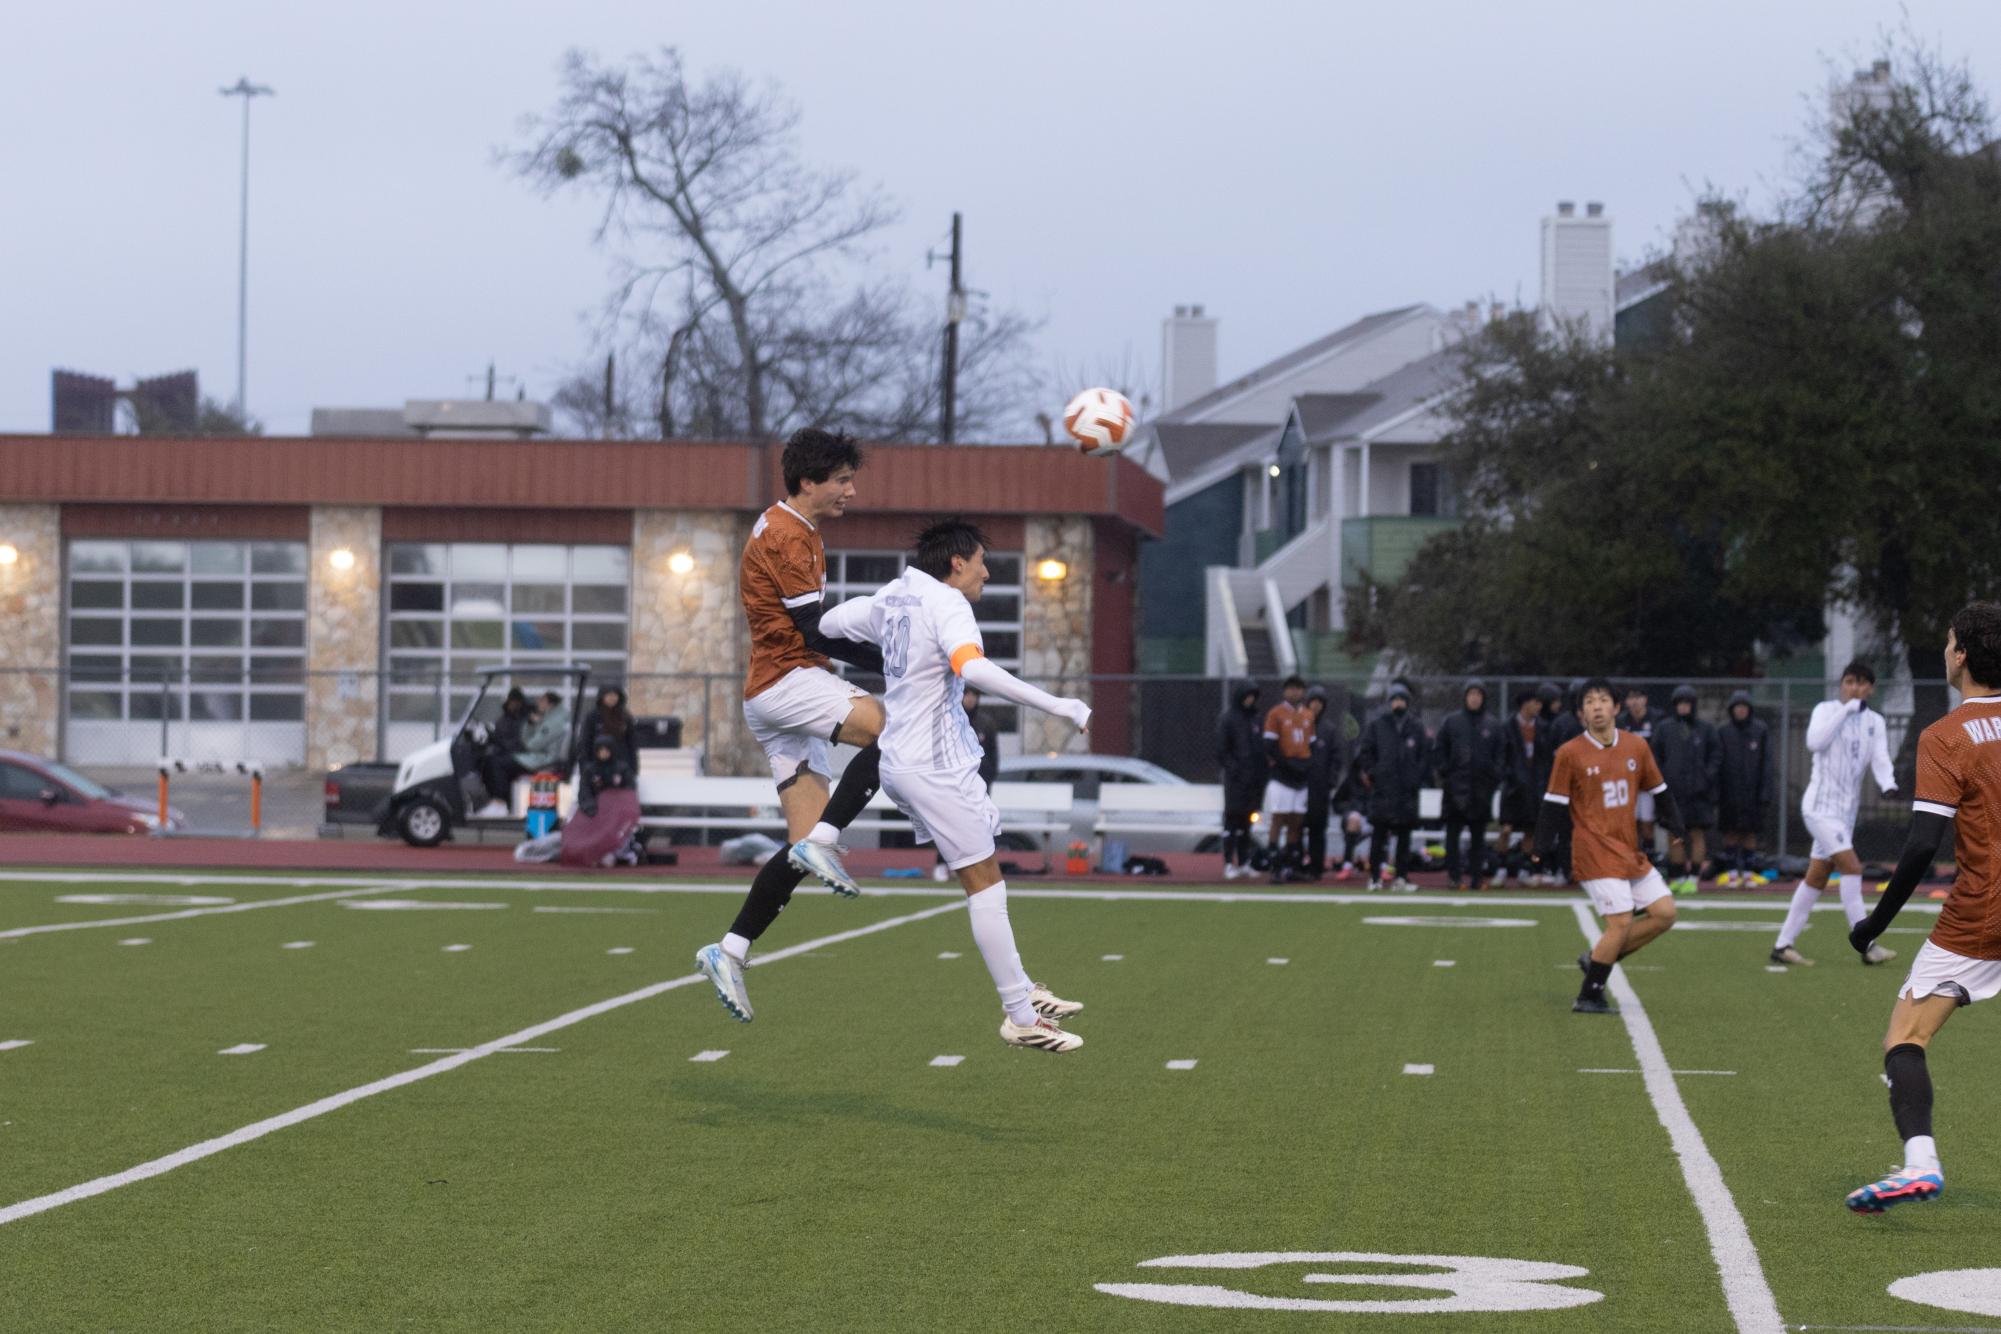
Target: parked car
point(1086, 774)
point(44, 796)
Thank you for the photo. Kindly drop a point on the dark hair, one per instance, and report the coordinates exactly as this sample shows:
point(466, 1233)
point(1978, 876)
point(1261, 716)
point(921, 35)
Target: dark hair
point(1861, 671)
point(1292, 681)
point(615, 720)
point(814, 455)
point(1977, 630)
point(552, 697)
point(1597, 683)
point(1636, 689)
point(935, 546)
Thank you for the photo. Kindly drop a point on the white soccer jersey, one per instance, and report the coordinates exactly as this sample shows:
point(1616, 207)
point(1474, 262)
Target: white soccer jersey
point(927, 634)
point(1844, 742)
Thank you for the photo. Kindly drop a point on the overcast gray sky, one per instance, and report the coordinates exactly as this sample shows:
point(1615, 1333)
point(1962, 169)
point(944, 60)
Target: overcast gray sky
point(1291, 166)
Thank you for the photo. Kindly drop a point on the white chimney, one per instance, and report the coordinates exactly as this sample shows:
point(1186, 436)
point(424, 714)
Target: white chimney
point(1187, 356)
point(1577, 277)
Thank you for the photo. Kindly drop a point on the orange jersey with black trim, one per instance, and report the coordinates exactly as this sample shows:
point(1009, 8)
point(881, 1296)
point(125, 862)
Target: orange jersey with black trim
point(1292, 726)
point(1959, 776)
point(1602, 785)
point(784, 566)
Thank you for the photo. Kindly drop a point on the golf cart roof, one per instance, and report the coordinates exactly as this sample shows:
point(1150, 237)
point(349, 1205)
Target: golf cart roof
point(486, 674)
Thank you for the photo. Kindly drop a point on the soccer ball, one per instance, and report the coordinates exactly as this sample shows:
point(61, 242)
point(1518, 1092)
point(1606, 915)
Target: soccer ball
point(1100, 420)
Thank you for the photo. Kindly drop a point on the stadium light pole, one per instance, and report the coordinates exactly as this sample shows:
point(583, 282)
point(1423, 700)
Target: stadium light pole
point(246, 90)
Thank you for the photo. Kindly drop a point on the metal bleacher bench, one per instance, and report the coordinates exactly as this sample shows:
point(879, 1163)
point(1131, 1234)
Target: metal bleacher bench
point(1139, 808)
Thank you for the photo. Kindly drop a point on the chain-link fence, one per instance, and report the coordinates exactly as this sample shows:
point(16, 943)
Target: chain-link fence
point(120, 722)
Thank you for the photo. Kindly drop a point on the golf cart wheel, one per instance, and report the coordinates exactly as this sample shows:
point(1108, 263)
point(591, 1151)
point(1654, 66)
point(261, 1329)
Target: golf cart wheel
point(423, 823)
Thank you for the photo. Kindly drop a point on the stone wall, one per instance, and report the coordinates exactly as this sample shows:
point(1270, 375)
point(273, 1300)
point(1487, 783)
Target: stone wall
point(1056, 626)
point(689, 640)
point(343, 636)
point(31, 610)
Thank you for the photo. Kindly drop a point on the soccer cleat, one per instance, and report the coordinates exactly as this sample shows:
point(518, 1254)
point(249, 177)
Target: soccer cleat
point(1593, 1005)
point(1788, 955)
point(1230, 871)
point(1685, 887)
point(726, 973)
point(1043, 1035)
point(824, 861)
point(1345, 874)
point(1878, 954)
point(1902, 1186)
point(1401, 886)
point(1051, 1006)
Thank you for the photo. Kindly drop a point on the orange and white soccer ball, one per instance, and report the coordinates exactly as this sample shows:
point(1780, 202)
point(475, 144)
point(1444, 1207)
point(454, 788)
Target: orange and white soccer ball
point(1100, 420)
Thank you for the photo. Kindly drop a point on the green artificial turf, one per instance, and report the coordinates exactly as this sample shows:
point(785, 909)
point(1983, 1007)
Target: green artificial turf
point(824, 1175)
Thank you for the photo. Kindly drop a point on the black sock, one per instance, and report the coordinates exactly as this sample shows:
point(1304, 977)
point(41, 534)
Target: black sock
point(1910, 1089)
point(857, 787)
point(1595, 974)
point(769, 894)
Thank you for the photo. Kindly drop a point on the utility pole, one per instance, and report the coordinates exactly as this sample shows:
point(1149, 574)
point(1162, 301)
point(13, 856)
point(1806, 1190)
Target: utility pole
point(246, 90)
point(955, 311)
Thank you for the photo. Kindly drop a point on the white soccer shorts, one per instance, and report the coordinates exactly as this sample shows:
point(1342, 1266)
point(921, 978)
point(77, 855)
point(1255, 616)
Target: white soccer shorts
point(952, 810)
point(1282, 799)
point(1937, 972)
point(1616, 896)
point(1831, 834)
point(794, 717)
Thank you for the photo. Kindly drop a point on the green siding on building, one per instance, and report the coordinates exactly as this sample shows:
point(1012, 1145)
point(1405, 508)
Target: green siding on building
point(1202, 530)
point(1383, 544)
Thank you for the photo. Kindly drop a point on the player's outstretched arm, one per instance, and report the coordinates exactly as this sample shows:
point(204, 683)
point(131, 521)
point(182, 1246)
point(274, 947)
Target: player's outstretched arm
point(844, 638)
point(1928, 830)
point(990, 679)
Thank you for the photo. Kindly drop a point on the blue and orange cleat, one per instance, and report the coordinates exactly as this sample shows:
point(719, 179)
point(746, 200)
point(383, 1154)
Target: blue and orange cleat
point(1900, 1187)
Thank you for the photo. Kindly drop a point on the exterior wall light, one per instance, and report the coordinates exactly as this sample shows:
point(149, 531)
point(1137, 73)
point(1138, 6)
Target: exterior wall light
point(9, 553)
point(680, 563)
point(1051, 571)
point(1275, 470)
point(341, 558)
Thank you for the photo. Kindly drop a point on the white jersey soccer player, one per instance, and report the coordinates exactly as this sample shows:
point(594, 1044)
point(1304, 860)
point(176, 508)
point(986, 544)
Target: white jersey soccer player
point(931, 651)
point(1846, 738)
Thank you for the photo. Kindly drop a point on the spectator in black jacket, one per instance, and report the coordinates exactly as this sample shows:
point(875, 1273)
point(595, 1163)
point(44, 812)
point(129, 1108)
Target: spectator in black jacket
point(1392, 762)
point(1687, 751)
point(498, 767)
point(611, 721)
point(1636, 718)
point(1744, 786)
point(1325, 773)
point(1470, 755)
point(1529, 757)
point(1564, 726)
point(1240, 755)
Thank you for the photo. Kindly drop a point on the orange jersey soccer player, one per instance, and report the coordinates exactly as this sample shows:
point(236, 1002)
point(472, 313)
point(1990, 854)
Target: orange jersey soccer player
point(1958, 787)
point(1598, 778)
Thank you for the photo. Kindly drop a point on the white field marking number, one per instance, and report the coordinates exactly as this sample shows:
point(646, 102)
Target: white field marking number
point(1469, 1283)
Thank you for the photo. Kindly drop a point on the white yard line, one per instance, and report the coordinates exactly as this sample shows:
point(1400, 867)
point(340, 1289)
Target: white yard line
point(19, 931)
point(1745, 1290)
point(334, 1102)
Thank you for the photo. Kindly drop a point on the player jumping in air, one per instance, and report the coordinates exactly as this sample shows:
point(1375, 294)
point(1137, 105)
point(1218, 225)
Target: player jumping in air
point(931, 652)
point(1845, 737)
point(1959, 787)
point(1597, 778)
point(794, 705)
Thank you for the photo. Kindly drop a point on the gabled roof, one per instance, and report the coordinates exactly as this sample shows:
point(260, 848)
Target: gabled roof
point(1636, 285)
point(1200, 408)
point(1384, 402)
point(1321, 414)
point(1188, 447)
point(1255, 451)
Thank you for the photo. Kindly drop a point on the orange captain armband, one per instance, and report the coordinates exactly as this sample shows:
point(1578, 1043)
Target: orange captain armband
point(964, 654)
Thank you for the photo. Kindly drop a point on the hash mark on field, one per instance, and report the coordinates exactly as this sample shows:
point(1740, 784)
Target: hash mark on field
point(1444, 963)
point(1417, 1069)
point(296, 945)
point(1113, 958)
point(619, 949)
point(457, 949)
point(1775, 968)
point(592, 910)
point(709, 1055)
point(1181, 1065)
point(1280, 962)
point(946, 1060)
point(11, 1043)
point(948, 954)
point(137, 940)
point(241, 1049)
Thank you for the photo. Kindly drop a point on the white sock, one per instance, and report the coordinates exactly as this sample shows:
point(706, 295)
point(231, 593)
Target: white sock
point(736, 946)
point(1803, 900)
point(824, 833)
point(1921, 1155)
point(1851, 898)
point(987, 911)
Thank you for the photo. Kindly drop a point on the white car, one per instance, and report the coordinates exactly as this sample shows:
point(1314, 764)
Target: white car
point(1087, 773)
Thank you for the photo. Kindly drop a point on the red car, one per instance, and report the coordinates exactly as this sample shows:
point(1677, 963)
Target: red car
point(43, 796)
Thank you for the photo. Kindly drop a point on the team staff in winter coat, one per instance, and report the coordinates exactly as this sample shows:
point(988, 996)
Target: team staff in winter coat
point(1240, 755)
point(1744, 787)
point(1686, 748)
point(1638, 719)
point(1393, 761)
point(1470, 755)
point(1526, 777)
point(1326, 771)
